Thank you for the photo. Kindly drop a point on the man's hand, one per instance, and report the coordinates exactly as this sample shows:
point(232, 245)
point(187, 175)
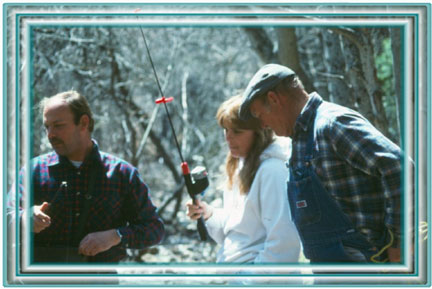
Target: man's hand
point(41, 221)
point(394, 255)
point(97, 242)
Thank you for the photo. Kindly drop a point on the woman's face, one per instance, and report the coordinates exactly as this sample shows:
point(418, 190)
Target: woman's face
point(239, 141)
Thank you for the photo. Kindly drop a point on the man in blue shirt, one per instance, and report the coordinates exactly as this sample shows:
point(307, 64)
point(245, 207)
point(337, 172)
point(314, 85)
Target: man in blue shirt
point(344, 187)
point(88, 206)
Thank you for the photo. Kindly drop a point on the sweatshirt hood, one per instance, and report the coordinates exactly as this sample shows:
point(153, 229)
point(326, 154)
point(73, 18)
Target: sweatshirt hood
point(280, 149)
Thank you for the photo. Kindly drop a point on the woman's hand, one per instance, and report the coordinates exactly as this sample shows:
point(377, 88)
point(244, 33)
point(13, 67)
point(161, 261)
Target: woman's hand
point(194, 212)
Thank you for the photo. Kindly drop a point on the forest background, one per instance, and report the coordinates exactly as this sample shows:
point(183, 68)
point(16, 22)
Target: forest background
point(358, 67)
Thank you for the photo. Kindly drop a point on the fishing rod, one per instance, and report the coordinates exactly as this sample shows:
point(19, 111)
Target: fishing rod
point(196, 181)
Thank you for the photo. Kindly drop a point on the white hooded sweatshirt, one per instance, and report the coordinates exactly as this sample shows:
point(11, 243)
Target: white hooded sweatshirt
point(257, 227)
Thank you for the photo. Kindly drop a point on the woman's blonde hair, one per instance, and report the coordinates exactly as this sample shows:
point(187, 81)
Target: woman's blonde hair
point(227, 117)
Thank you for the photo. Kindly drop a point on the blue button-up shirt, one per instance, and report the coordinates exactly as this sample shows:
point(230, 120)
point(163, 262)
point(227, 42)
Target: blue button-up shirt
point(118, 200)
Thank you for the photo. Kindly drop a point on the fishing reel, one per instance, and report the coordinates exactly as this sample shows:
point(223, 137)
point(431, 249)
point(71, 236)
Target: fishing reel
point(200, 182)
point(196, 184)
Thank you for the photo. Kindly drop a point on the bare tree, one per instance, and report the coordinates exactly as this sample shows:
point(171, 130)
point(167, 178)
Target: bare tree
point(395, 34)
point(362, 39)
point(338, 83)
point(289, 55)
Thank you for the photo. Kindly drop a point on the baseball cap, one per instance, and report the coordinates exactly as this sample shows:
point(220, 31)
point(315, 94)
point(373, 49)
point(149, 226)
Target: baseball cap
point(266, 78)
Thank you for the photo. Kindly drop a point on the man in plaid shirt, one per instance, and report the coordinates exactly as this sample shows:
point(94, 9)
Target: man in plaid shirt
point(78, 179)
point(344, 187)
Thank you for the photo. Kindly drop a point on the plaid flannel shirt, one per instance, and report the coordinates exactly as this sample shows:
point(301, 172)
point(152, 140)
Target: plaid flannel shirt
point(120, 200)
point(357, 165)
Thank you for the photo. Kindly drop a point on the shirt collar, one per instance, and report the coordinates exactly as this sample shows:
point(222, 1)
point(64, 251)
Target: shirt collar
point(308, 112)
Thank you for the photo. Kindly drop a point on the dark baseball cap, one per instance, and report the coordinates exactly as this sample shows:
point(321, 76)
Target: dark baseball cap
point(266, 78)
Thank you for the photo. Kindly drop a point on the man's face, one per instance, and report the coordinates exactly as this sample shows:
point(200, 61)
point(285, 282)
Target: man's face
point(63, 134)
point(270, 115)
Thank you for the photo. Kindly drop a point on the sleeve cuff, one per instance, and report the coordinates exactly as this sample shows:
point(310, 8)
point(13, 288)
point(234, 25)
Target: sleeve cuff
point(123, 236)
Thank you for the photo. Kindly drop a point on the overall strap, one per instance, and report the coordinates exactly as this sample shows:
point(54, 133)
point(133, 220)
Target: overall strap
point(309, 149)
point(309, 152)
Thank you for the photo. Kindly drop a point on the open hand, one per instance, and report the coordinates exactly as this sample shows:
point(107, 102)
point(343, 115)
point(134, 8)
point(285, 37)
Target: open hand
point(41, 221)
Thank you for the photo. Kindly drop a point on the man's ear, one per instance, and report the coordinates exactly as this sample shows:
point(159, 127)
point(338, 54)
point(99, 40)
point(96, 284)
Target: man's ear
point(84, 121)
point(273, 98)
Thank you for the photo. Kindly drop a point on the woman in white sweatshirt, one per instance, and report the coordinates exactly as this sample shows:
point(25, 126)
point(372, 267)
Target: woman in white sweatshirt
point(254, 225)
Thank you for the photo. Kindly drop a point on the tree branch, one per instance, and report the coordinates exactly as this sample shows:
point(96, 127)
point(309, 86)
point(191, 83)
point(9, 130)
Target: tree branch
point(350, 34)
point(261, 43)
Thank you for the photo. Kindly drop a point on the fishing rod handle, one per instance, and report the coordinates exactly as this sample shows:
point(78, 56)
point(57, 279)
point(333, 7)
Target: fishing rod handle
point(202, 230)
point(201, 227)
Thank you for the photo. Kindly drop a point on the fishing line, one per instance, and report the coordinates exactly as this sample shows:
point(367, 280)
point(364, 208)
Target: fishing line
point(162, 99)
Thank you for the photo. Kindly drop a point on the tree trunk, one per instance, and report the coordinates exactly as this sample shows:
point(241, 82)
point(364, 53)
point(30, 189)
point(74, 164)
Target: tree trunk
point(287, 50)
point(395, 35)
point(262, 44)
point(358, 46)
point(338, 89)
point(288, 55)
point(375, 93)
point(353, 70)
point(128, 127)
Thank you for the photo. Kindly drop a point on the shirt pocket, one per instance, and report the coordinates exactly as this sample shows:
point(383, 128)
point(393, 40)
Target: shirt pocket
point(303, 200)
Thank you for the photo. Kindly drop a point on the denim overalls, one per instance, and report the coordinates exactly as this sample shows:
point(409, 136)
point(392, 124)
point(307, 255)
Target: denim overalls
point(323, 228)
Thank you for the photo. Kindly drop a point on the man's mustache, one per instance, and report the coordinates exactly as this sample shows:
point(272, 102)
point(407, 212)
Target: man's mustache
point(54, 141)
